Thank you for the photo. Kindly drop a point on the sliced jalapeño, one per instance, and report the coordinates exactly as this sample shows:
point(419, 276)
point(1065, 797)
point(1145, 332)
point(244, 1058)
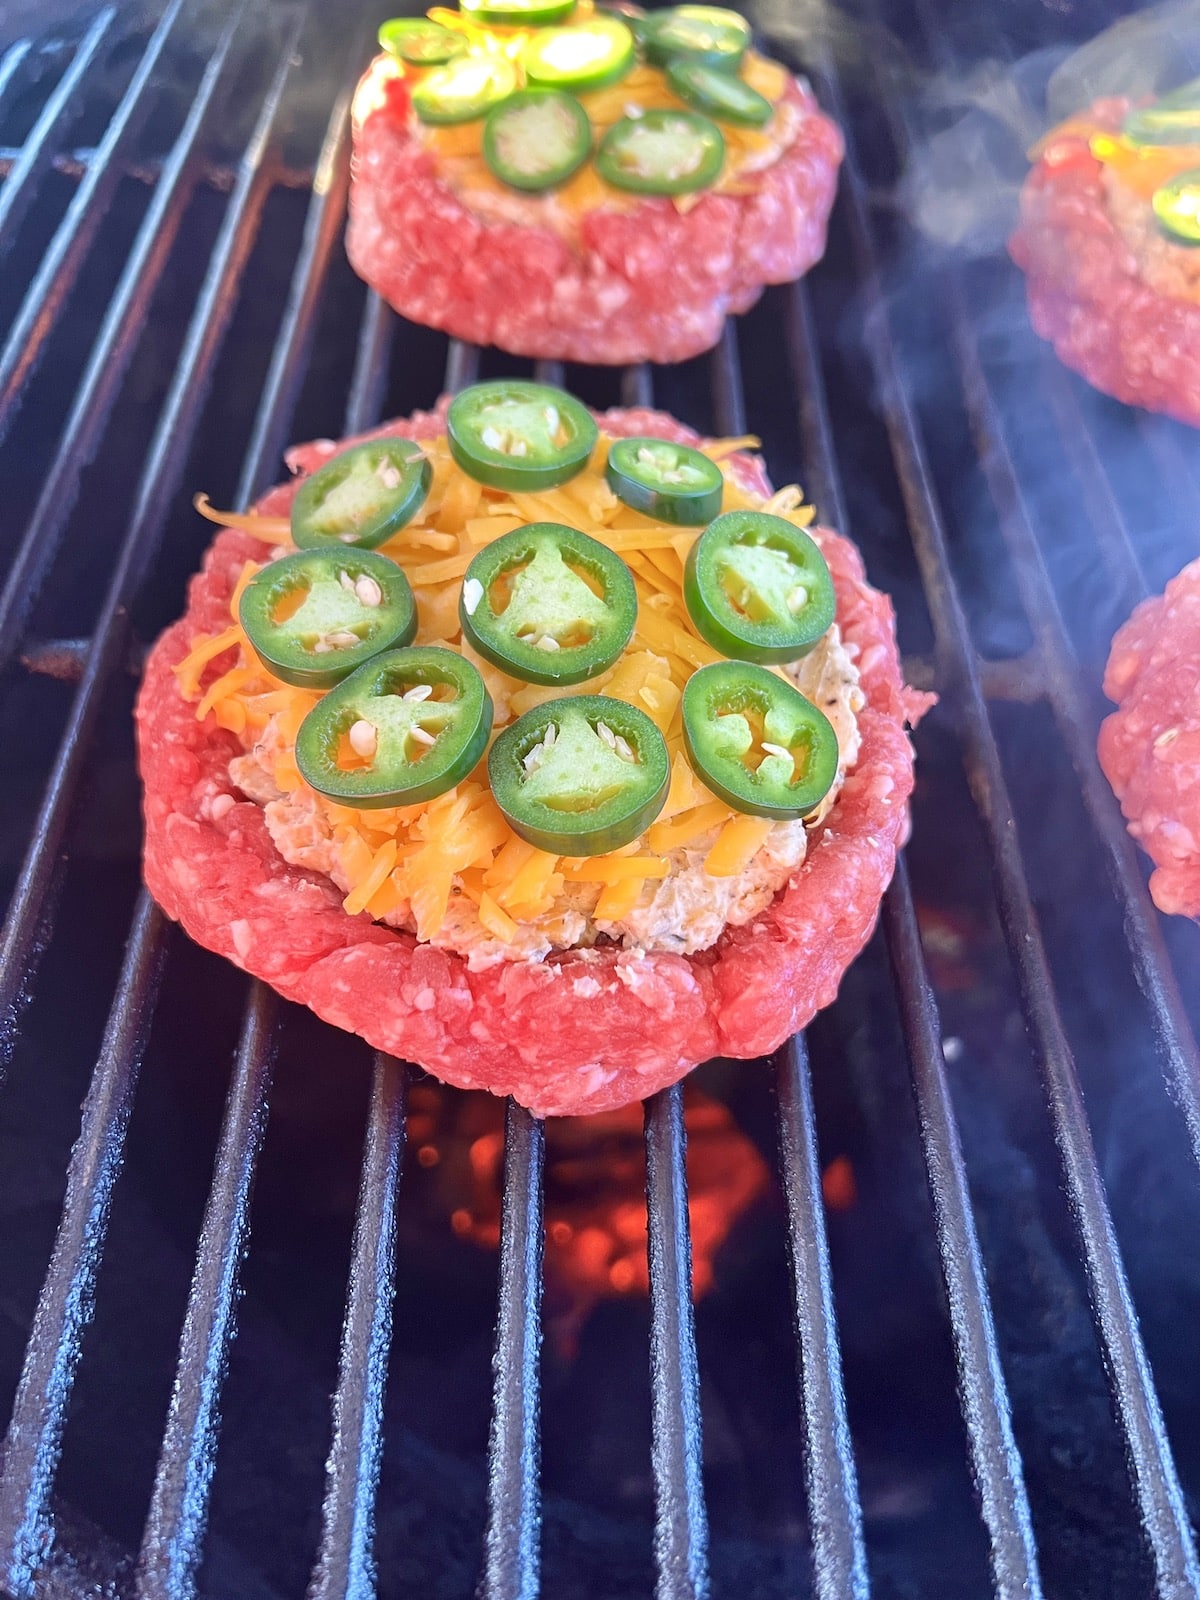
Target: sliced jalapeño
point(580, 776)
point(756, 742)
point(465, 89)
point(362, 496)
point(513, 434)
point(661, 152)
point(667, 481)
point(1173, 119)
point(403, 729)
point(758, 588)
point(314, 617)
point(517, 13)
point(420, 42)
point(1177, 206)
point(718, 94)
point(712, 35)
point(589, 56)
point(536, 139)
point(548, 604)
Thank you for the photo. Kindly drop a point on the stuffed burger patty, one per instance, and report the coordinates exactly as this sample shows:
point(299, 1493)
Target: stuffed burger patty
point(556, 757)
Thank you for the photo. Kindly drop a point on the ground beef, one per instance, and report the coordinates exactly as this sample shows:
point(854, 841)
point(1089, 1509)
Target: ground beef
point(1098, 285)
point(590, 1030)
point(1150, 746)
point(642, 282)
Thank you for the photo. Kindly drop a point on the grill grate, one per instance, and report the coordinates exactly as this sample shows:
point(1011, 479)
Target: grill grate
point(173, 1542)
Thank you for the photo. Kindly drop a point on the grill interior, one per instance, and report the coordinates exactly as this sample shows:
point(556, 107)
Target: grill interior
point(1011, 1069)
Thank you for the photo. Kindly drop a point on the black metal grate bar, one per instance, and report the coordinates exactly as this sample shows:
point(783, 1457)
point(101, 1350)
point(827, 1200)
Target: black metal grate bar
point(37, 314)
point(345, 1568)
point(321, 229)
point(369, 383)
point(681, 1522)
point(1155, 1480)
point(61, 107)
point(637, 386)
point(834, 1513)
point(174, 1529)
point(552, 372)
point(995, 1462)
point(1103, 515)
point(462, 365)
point(729, 402)
point(14, 56)
point(179, 1505)
point(34, 1439)
point(168, 451)
point(123, 322)
point(513, 1538)
point(1143, 933)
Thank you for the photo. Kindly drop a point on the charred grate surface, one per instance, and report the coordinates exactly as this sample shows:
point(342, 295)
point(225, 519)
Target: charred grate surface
point(210, 115)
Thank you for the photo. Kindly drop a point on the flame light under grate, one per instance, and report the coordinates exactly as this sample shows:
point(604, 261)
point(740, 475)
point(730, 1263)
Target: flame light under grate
point(170, 219)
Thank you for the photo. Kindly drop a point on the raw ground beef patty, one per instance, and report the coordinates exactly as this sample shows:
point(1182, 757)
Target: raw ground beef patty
point(1118, 301)
point(585, 1031)
point(1150, 746)
point(642, 282)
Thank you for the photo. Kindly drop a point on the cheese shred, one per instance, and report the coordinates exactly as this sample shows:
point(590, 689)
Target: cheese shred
point(415, 859)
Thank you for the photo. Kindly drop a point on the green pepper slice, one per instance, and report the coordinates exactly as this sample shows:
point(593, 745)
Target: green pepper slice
point(518, 13)
point(667, 481)
point(757, 588)
point(1173, 119)
point(661, 152)
point(464, 89)
point(718, 94)
point(362, 496)
point(420, 42)
point(403, 729)
point(512, 434)
point(536, 139)
point(548, 604)
point(756, 742)
point(708, 34)
point(591, 56)
point(580, 776)
point(1177, 207)
point(314, 617)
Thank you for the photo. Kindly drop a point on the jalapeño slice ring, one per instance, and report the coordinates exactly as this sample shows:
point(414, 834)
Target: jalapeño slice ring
point(661, 152)
point(590, 56)
point(718, 94)
point(464, 89)
point(314, 617)
point(420, 42)
point(756, 742)
point(403, 729)
point(517, 13)
point(580, 776)
point(758, 588)
point(712, 35)
point(1177, 206)
point(548, 604)
point(513, 434)
point(1173, 119)
point(664, 480)
point(536, 139)
point(362, 496)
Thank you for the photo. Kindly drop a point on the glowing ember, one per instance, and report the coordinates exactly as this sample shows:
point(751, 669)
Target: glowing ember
point(595, 1193)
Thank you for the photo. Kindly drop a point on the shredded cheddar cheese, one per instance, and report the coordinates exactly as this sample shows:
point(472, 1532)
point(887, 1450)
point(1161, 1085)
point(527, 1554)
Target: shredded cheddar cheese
point(416, 858)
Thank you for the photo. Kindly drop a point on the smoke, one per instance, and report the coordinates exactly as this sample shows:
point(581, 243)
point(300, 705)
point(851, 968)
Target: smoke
point(960, 185)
